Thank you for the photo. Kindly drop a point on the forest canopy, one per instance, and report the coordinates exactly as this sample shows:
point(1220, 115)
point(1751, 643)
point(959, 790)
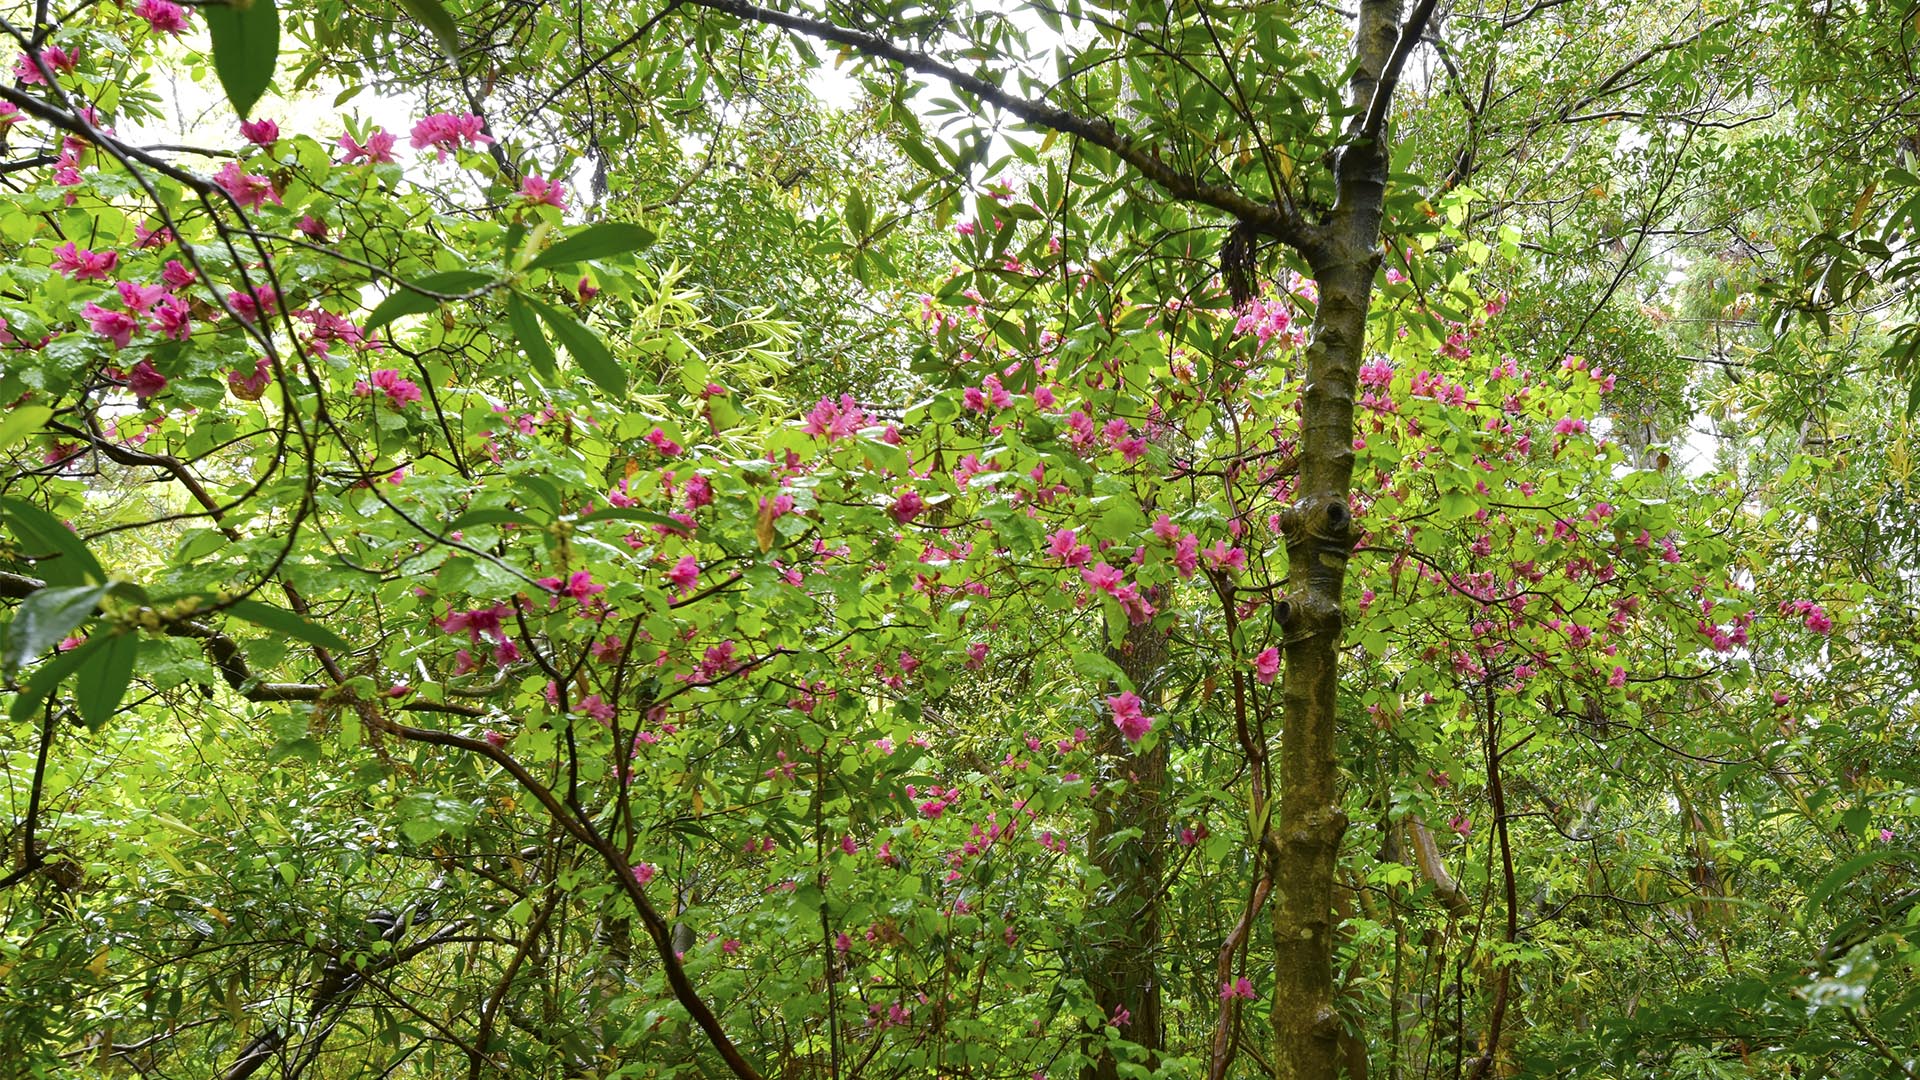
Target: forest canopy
point(994, 539)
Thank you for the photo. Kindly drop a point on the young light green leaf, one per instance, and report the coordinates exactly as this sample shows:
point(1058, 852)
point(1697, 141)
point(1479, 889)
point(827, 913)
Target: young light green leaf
point(526, 330)
point(406, 301)
point(246, 46)
point(23, 421)
point(103, 680)
point(585, 347)
point(60, 556)
point(430, 14)
point(286, 622)
point(600, 241)
point(43, 619)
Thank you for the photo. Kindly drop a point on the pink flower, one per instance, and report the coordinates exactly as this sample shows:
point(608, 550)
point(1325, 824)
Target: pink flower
point(1618, 679)
point(907, 506)
point(1103, 577)
point(836, 421)
point(659, 441)
point(446, 131)
point(115, 326)
point(251, 387)
point(248, 307)
point(378, 149)
point(145, 382)
point(164, 16)
point(1461, 824)
point(83, 265)
point(176, 274)
point(495, 739)
point(643, 872)
point(976, 655)
point(1239, 988)
point(139, 298)
point(578, 585)
point(259, 132)
point(170, 319)
point(539, 191)
point(595, 707)
point(400, 392)
point(54, 57)
point(1266, 666)
point(699, 492)
point(685, 574)
point(1221, 556)
point(1886, 835)
point(478, 622)
point(245, 188)
point(1064, 545)
point(1128, 717)
point(1817, 620)
point(312, 227)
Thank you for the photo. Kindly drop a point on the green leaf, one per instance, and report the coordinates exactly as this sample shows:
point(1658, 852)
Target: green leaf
point(595, 242)
point(48, 676)
point(585, 347)
point(45, 536)
point(430, 14)
point(246, 46)
point(21, 422)
point(1846, 872)
point(103, 681)
point(526, 330)
point(286, 622)
point(43, 619)
point(491, 515)
point(405, 301)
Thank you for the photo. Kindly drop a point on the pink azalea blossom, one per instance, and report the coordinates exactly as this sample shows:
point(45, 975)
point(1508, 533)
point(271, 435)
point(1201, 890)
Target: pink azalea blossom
point(145, 382)
point(81, 264)
point(251, 387)
point(377, 150)
point(1128, 717)
point(835, 421)
point(57, 60)
point(400, 392)
point(115, 326)
point(260, 132)
point(539, 191)
point(685, 574)
point(1238, 988)
point(643, 872)
point(164, 16)
point(246, 189)
point(170, 319)
point(1266, 666)
point(446, 131)
point(579, 585)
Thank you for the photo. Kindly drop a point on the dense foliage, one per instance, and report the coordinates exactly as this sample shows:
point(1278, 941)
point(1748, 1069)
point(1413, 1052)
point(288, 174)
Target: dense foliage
point(1148, 540)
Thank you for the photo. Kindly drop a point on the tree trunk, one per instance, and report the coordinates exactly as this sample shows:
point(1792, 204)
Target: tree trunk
point(1128, 844)
point(1320, 534)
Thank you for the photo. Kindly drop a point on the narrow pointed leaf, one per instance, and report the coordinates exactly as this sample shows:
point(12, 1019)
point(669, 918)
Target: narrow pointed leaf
point(585, 347)
point(246, 46)
point(286, 622)
point(595, 242)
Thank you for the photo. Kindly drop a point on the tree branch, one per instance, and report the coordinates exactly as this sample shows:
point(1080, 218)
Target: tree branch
point(1266, 218)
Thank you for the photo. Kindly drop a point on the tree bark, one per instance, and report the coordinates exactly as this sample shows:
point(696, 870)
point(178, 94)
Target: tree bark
point(1320, 535)
point(1128, 844)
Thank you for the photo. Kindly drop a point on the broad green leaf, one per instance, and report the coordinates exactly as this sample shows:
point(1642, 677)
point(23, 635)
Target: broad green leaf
point(586, 348)
point(526, 330)
point(46, 677)
point(491, 515)
point(430, 14)
point(42, 535)
point(103, 681)
point(22, 422)
point(43, 619)
point(405, 301)
point(286, 622)
point(246, 46)
point(600, 241)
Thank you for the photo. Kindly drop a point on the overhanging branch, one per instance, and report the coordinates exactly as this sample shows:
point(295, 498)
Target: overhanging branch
point(1271, 220)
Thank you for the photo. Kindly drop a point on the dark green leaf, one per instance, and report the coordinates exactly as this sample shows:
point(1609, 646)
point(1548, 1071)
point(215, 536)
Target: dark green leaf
point(43, 535)
point(405, 301)
point(430, 14)
point(585, 347)
point(286, 622)
point(246, 46)
point(43, 619)
point(595, 242)
point(526, 330)
point(492, 515)
point(103, 681)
